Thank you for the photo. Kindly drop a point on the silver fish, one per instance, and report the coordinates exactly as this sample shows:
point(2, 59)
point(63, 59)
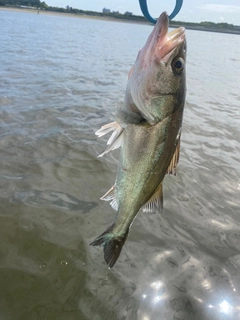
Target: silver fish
point(148, 129)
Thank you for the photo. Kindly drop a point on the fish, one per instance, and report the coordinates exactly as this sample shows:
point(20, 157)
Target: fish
point(148, 130)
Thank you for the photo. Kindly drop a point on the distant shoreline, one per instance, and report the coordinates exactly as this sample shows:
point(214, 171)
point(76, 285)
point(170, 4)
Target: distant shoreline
point(85, 16)
point(72, 15)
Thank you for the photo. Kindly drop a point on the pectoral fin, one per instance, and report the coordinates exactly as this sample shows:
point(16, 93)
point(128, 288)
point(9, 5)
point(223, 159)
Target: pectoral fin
point(155, 203)
point(130, 72)
point(115, 140)
point(172, 168)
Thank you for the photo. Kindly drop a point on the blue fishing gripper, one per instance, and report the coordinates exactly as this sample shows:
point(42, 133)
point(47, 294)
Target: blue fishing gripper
point(144, 8)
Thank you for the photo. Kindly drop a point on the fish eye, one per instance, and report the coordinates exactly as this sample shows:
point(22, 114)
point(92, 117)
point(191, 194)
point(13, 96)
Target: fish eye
point(178, 65)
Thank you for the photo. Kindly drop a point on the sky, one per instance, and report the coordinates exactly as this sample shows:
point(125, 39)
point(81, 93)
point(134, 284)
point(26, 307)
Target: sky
point(192, 10)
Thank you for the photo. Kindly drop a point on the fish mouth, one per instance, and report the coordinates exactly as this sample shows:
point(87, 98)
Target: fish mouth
point(160, 43)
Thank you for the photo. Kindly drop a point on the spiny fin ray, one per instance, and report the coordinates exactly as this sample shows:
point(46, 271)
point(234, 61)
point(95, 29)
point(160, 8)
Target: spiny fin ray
point(155, 203)
point(110, 196)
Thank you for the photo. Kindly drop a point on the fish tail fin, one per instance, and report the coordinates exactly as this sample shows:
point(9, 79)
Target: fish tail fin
point(112, 245)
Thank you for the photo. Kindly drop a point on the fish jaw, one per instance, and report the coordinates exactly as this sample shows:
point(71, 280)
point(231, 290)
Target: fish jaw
point(160, 43)
point(173, 40)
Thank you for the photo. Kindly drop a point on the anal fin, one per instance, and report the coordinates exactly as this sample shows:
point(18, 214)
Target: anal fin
point(110, 196)
point(155, 203)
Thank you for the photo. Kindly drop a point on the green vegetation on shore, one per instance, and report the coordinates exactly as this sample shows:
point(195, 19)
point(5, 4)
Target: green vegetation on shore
point(26, 3)
point(41, 5)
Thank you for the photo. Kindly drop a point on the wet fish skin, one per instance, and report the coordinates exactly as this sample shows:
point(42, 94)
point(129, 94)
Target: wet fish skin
point(154, 99)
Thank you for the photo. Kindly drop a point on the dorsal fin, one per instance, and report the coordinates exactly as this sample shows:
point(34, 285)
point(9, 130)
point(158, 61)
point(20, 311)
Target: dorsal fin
point(172, 168)
point(155, 203)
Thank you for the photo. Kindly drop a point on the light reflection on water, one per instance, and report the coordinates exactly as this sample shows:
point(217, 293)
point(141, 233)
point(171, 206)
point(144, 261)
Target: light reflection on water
point(56, 89)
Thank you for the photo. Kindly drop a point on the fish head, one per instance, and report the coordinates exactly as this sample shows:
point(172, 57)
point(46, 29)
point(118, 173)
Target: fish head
point(157, 80)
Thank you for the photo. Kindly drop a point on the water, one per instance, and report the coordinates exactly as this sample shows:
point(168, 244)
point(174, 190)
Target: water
point(61, 79)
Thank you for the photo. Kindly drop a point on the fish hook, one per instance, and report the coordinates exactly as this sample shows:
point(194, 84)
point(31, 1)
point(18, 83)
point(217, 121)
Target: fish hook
point(144, 8)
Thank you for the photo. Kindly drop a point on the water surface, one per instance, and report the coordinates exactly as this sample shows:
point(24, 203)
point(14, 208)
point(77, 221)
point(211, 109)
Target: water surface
point(61, 79)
